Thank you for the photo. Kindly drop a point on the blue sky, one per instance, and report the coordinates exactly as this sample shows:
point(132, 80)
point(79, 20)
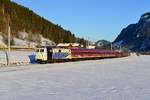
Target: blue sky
point(92, 19)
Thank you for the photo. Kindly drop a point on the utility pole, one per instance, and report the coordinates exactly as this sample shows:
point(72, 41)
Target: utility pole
point(8, 31)
point(8, 45)
point(120, 48)
point(88, 40)
point(111, 46)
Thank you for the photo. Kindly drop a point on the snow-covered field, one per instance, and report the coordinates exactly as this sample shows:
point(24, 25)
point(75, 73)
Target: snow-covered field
point(109, 79)
point(17, 57)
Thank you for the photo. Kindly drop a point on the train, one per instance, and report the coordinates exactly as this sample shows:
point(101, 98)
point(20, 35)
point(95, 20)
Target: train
point(56, 54)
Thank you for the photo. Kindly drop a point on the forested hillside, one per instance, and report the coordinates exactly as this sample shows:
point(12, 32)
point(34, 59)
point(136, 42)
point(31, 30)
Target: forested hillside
point(24, 19)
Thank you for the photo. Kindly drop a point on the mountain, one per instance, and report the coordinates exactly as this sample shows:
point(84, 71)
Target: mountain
point(22, 19)
point(103, 45)
point(136, 37)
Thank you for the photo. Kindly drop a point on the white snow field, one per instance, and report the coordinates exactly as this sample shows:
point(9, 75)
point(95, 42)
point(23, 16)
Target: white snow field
point(108, 79)
point(17, 57)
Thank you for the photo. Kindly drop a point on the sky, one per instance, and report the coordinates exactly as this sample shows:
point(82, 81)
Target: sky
point(90, 19)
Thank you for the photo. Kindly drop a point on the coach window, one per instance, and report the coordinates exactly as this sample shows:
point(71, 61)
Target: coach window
point(42, 50)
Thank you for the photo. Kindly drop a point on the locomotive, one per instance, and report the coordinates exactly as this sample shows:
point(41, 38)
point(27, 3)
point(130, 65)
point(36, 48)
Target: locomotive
point(53, 54)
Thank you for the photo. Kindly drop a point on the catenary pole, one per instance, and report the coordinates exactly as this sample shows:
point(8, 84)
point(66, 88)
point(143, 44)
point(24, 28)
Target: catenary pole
point(9, 31)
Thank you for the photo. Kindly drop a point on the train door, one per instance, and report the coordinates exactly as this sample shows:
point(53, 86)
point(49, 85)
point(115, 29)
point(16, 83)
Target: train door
point(49, 53)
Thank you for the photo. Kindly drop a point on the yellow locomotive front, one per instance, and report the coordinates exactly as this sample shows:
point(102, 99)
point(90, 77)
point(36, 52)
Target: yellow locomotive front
point(48, 54)
point(41, 55)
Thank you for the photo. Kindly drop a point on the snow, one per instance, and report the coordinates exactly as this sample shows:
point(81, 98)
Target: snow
point(46, 42)
point(146, 16)
point(138, 35)
point(2, 44)
point(17, 57)
point(19, 43)
point(145, 44)
point(119, 43)
point(148, 20)
point(22, 42)
point(109, 79)
point(23, 35)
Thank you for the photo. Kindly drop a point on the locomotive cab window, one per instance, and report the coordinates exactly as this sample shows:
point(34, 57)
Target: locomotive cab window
point(37, 50)
point(41, 50)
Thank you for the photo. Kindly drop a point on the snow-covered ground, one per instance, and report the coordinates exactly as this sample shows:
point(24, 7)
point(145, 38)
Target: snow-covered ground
point(109, 79)
point(17, 57)
point(2, 44)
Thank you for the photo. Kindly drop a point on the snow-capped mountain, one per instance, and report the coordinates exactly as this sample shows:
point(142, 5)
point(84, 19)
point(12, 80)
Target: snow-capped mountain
point(103, 44)
point(136, 37)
